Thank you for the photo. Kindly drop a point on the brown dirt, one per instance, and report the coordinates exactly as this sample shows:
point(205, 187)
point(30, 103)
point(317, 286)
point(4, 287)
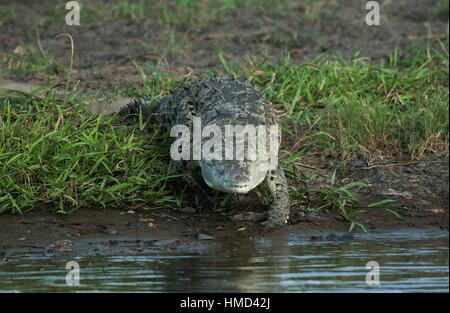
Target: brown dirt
point(104, 55)
point(104, 52)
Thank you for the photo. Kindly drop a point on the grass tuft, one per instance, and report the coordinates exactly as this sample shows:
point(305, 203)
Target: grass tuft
point(27, 59)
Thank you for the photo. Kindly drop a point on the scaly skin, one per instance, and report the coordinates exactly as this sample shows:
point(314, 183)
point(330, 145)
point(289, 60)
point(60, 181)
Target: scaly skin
point(223, 101)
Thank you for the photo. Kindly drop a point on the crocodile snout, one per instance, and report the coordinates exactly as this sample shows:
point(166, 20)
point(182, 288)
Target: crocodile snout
point(232, 177)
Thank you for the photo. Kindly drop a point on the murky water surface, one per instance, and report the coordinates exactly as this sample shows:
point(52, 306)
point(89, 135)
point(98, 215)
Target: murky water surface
point(409, 261)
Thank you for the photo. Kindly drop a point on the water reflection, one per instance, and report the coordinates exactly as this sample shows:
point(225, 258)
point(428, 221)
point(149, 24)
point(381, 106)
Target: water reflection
point(411, 260)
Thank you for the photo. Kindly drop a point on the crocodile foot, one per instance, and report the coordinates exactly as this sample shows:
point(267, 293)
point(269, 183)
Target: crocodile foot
point(205, 202)
point(272, 222)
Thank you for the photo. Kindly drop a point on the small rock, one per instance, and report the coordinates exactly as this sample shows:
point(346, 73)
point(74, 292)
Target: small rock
point(249, 216)
point(358, 164)
point(393, 192)
point(146, 220)
point(60, 246)
point(305, 214)
point(299, 214)
point(188, 210)
point(345, 237)
point(110, 242)
point(201, 236)
point(105, 230)
point(370, 225)
point(434, 156)
point(331, 237)
point(410, 169)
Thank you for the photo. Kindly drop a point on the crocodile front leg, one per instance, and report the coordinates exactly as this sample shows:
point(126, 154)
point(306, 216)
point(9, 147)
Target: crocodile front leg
point(279, 210)
point(187, 168)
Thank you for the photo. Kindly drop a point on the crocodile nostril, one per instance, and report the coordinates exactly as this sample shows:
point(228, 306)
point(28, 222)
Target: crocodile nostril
point(239, 178)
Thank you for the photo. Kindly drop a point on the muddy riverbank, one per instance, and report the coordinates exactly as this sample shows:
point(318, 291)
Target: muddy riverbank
point(420, 189)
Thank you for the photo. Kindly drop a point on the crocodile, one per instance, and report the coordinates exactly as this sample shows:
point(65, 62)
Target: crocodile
point(222, 100)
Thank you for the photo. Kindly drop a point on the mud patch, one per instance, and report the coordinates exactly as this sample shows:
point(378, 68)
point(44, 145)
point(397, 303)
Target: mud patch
point(105, 51)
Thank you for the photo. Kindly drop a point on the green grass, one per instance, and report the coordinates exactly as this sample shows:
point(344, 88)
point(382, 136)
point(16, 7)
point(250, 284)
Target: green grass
point(365, 109)
point(57, 154)
point(332, 197)
point(99, 11)
point(312, 14)
point(7, 12)
point(442, 8)
point(61, 155)
point(30, 60)
point(190, 14)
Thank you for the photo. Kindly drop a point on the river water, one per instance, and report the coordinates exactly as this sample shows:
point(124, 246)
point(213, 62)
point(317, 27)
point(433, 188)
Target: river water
point(409, 261)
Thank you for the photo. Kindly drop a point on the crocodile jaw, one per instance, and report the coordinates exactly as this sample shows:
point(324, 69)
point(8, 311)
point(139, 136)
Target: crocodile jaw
point(238, 180)
point(230, 187)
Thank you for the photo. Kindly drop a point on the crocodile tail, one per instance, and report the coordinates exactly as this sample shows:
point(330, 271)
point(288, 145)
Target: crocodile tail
point(138, 106)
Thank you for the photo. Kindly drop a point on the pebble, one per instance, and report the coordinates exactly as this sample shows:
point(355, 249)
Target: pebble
point(188, 210)
point(358, 164)
point(131, 223)
point(371, 225)
point(393, 192)
point(201, 236)
point(60, 246)
point(343, 238)
point(346, 237)
point(304, 214)
point(408, 170)
point(331, 237)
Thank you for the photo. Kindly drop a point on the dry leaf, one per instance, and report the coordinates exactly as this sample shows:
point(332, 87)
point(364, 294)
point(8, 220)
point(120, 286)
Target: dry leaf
point(19, 51)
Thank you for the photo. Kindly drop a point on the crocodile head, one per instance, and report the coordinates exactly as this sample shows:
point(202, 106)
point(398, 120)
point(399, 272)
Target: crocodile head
point(242, 174)
point(233, 176)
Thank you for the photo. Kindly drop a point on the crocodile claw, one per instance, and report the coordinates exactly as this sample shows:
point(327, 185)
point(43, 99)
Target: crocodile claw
point(273, 223)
